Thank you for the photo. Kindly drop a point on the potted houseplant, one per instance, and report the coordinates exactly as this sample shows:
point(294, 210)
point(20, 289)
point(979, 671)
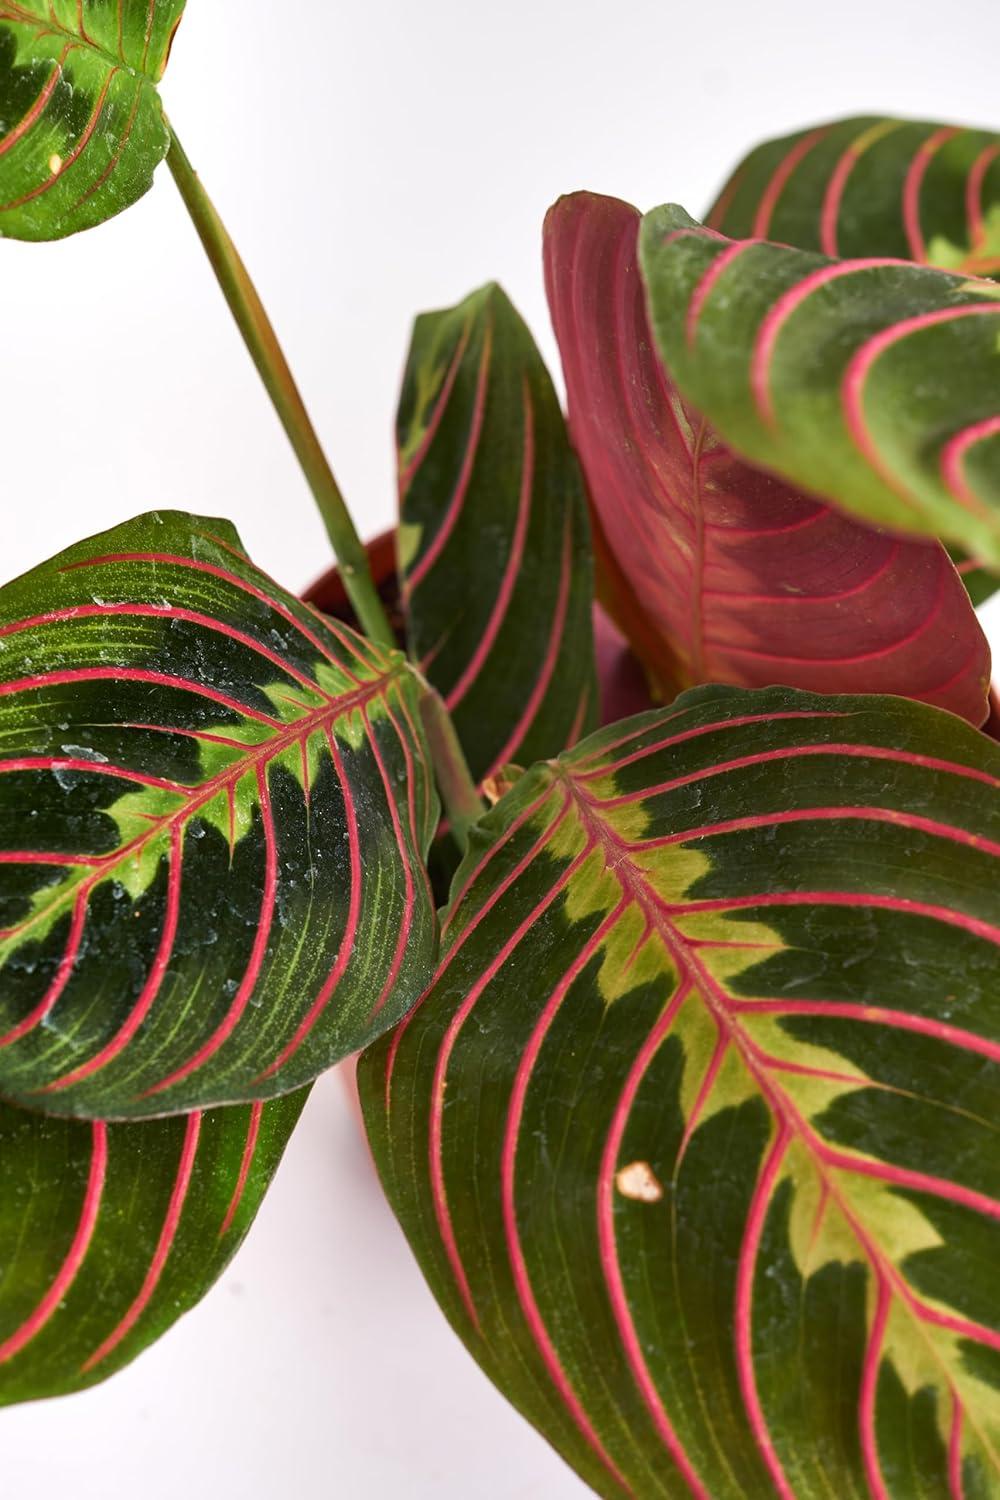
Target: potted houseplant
point(686, 1097)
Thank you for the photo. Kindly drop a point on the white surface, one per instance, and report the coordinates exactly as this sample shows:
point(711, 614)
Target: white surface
point(372, 160)
point(398, 155)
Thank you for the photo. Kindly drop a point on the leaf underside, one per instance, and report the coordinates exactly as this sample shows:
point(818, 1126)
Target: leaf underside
point(870, 383)
point(493, 540)
point(870, 185)
point(81, 125)
point(741, 578)
point(108, 1233)
point(912, 189)
point(214, 812)
point(695, 1134)
point(980, 583)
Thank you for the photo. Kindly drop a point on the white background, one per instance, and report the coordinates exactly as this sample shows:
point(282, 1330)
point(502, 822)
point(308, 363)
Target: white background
point(371, 160)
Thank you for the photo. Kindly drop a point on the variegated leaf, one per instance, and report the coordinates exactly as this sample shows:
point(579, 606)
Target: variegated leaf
point(876, 186)
point(214, 810)
point(108, 1233)
point(873, 186)
point(695, 1135)
point(81, 125)
point(730, 575)
point(494, 548)
point(871, 383)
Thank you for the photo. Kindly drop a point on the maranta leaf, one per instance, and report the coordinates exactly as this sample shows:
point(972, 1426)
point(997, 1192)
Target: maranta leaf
point(214, 812)
point(494, 545)
point(871, 185)
point(733, 576)
point(108, 1233)
point(913, 189)
point(81, 125)
point(871, 383)
point(695, 1134)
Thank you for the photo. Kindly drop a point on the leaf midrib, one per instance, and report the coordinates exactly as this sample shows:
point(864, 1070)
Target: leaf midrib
point(204, 792)
point(783, 1109)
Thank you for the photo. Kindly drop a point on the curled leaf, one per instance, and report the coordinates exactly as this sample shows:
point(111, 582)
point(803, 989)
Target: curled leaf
point(871, 383)
point(871, 185)
point(728, 574)
point(494, 548)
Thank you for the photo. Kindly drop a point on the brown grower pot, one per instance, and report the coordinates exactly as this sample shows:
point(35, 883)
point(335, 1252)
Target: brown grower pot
point(623, 686)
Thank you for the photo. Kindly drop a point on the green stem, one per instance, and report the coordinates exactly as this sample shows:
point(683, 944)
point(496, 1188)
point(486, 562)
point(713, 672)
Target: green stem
point(262, 342)
point(458, 790)
point(462, 801)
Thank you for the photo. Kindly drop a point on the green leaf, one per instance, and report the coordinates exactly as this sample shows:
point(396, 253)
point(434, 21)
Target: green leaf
point(81, 124)
point(871, 384)
point(695, 1135)
point(214, 810)
point(108, 1233)
point(494, 545)
point(873, 186)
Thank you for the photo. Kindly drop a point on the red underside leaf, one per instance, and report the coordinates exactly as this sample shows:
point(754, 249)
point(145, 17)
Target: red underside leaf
point(725, 573)
point(992, 725)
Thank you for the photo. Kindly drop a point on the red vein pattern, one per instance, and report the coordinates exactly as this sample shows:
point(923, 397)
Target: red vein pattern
point(815, 385)
point(108, 1232)
point(609, 1245)
point(685, 1150)
point(870, 186)
point(62, 168)
point(508, 1167)
point(514, 743)
point(163, 1246)
point(859, 373)
point(779, 179)
point(494, 556)
point(246, 1162)
point(423, 566)
point(746, 1277)
point(741, 579)
point(16, 1342)
point(778, 316)
point(262, 936)
point(231, 872)
point(512, 567)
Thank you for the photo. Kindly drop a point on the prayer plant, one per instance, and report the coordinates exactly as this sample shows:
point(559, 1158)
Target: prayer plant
point(688, 1100)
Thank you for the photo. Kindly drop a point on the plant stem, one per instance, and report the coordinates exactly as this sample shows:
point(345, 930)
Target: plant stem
point(458, 790)
point(262, 342)
point(462, 801)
